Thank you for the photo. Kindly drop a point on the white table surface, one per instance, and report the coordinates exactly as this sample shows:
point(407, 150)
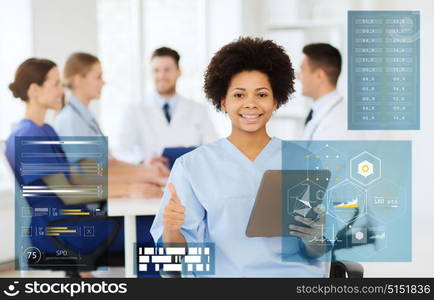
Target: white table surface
point(129, 208)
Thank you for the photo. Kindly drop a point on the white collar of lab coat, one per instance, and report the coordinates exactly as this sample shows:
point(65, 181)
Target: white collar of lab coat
point(324, 103)
point(321, 108)
point(161, 101)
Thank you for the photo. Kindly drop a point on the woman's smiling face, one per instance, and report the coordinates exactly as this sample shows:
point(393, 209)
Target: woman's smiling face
point(249, 101)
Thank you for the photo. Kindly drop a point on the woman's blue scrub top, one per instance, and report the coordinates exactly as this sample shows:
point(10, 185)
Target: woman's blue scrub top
point(217, 184)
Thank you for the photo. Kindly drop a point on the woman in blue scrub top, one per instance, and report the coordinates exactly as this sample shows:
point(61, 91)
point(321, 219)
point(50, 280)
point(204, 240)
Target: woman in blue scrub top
point(38, 84)
point(212, 189)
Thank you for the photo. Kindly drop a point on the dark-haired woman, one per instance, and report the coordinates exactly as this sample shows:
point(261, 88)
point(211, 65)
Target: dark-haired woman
point(212, 189)
point(37, 83)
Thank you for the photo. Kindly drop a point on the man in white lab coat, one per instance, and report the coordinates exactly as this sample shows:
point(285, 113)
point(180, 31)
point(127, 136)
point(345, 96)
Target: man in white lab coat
point(167, 119)
point(319, 73)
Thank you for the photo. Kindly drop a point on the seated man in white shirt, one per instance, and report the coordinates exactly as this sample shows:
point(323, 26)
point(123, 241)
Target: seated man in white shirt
point(319, 73)
point(167, 119)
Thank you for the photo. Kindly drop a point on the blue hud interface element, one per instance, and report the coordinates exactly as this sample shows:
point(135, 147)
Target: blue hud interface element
point(50, 233)
point(191, 259)
point(383, 70)
point(365, 188)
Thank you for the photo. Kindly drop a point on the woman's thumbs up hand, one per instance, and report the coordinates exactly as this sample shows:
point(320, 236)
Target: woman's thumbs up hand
point(174, 212)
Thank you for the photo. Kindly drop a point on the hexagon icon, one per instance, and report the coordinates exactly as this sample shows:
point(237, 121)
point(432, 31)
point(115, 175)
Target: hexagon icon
point(368, 231)
point(362, 240)
point(347, 201)
point(365, 168)
point(303, 197)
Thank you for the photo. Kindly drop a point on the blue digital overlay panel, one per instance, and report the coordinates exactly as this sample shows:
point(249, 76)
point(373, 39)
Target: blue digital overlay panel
point(363, 189)
point(383, 70)
point(195, 259)
point(60, 210)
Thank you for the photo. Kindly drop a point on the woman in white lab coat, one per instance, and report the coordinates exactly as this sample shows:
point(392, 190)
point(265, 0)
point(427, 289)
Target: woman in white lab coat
point(212, 189)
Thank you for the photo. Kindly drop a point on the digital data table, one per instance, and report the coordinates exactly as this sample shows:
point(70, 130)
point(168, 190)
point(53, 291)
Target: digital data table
point(383, 70)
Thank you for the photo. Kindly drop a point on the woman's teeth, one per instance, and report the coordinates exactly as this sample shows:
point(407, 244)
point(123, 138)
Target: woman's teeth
point(250, 116)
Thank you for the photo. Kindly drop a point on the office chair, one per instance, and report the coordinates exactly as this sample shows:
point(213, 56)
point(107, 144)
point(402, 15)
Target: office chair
point(346, 269)
point(344, 241)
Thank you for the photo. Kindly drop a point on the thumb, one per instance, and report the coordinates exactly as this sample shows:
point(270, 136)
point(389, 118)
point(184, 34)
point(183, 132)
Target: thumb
point(320, 210)
point(174, 196)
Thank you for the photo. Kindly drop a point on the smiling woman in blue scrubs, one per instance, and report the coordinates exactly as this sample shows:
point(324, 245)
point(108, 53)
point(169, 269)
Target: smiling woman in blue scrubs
point(212, 189)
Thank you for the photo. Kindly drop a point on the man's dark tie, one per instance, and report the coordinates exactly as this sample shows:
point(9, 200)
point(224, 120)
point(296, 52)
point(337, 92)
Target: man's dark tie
point(166, 112)
point(309, 117)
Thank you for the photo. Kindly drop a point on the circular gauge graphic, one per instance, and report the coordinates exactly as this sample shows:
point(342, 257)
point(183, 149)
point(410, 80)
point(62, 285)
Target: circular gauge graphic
point(32, 255)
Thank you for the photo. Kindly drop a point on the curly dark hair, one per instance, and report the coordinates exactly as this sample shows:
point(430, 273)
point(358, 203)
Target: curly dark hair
point(249, 54)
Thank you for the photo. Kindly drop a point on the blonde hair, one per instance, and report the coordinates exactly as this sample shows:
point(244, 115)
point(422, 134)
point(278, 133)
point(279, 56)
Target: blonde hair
point(78, 64)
